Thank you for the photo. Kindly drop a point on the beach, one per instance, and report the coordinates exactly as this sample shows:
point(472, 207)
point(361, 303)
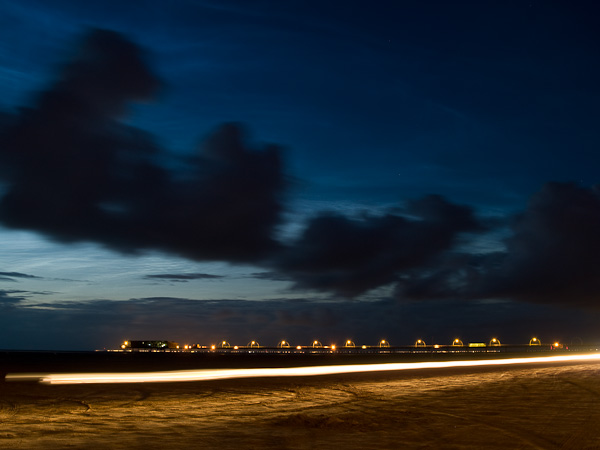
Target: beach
point(537, 406)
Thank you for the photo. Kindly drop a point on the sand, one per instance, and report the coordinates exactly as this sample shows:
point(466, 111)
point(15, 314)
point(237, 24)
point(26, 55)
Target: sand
point(533, 407)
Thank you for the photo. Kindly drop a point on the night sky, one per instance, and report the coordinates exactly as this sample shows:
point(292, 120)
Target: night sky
point(266, 170)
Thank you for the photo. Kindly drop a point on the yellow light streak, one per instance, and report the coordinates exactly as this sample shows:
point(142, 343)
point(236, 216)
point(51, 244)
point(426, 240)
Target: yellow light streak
point(223, 374)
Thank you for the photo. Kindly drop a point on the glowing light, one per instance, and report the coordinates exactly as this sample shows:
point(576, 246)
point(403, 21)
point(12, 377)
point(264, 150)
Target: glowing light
point(364, 346)
point(221, 374)
point(299, 347)
point(333, 347)
point(212, 347)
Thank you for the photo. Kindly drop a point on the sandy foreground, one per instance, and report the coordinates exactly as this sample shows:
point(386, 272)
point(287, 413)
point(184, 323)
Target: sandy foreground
point(537, 407)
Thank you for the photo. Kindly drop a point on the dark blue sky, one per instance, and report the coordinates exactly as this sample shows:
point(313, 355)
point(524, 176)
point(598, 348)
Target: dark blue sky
point(373, 108)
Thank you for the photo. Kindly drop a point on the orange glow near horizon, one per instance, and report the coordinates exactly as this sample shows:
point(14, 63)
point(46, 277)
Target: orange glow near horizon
point(223, 374)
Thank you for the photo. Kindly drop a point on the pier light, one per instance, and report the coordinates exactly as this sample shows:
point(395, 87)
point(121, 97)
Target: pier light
point(253, 344)
point(212, 347)
point(364, 347)
point(235, 347)
point(299, 347)
point(420, 343)
point(317, 344)
point(349, 343)
point(384, 343)
point(457, 343)
point(495, 342)
point(283, 344)
point(535, 341)
point(333, 347)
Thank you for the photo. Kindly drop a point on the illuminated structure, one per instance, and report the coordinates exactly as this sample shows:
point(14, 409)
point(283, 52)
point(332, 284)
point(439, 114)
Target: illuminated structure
point(150, 345)
point(457, 343)
point(347, 347)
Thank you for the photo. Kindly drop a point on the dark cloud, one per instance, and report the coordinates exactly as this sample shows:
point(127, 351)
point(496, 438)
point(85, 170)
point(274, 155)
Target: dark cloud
point(11, 297)
point(271, 276)
point(10, 276)
point(75, 172)
point(552, 256)
point(182, 276)
point(350, 256)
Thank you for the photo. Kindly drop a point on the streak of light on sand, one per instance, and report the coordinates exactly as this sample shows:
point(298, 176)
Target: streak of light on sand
point(222, 374)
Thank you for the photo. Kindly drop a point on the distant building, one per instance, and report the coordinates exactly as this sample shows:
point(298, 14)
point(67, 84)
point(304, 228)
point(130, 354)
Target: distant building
point(151, 345)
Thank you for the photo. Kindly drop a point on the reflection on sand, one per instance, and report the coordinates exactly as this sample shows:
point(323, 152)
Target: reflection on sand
point(223, 374)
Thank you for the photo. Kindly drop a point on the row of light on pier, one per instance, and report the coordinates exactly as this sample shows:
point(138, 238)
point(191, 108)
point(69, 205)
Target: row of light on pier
point(494, 342)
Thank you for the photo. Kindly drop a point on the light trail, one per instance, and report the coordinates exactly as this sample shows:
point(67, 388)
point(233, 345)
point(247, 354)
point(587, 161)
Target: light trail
point(224, 374)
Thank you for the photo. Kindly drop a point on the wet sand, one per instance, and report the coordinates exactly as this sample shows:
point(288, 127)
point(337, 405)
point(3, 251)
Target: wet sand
point(532, 407)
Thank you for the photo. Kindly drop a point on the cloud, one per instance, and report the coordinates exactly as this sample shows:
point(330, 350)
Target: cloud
point(75, 171)
point(271, 276)
point(11, 297)
point(10, 276)
point(350, 256)
point(183, 276)
point(552, 256)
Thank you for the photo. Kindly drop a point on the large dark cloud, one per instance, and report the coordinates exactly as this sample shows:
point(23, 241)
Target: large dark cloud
point(350, 256)
point(74, 171)
point(552, 256)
